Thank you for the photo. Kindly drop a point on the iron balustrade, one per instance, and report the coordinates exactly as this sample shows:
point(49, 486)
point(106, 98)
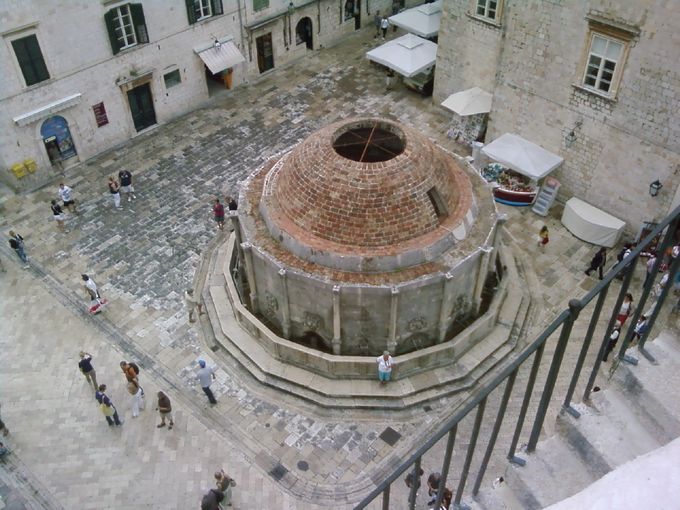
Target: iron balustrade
point(508, 374)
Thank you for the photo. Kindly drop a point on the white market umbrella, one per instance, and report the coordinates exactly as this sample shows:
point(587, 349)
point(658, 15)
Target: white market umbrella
point(469, 102)
point(423, 20)
point(408, 55)
point(523, 156)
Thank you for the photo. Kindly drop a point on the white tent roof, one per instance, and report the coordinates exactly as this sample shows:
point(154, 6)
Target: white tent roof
point(422, 20)
point(522, 156)
point(469, 102)
point(408, 55)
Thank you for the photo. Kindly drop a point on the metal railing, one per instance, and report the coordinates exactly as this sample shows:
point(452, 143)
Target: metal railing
point(533, 354)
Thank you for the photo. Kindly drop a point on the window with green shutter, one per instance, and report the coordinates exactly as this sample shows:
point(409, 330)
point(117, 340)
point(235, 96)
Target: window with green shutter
point(198, 10)
point(258, 5)
point(30, 60)
point(126, 26)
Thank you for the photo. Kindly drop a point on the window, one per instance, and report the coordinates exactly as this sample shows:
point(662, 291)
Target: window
point(198, 10)
point(126, 27)
point(258, 5)
point(488, 9)
point(172, 78)
point(30, 59)
point(603, 57)
point(349, 9)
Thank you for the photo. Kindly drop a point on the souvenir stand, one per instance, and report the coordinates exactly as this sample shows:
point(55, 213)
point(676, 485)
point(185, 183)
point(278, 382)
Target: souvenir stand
point(471, 108)
point(517, 166)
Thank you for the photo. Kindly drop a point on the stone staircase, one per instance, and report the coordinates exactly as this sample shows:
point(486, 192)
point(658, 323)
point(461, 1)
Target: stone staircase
point(637, 413)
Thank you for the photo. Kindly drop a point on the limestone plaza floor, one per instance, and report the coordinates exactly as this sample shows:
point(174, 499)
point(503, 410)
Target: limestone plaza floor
point(282, 452)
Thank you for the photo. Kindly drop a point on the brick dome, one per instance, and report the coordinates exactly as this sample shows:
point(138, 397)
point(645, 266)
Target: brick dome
point(367, 194)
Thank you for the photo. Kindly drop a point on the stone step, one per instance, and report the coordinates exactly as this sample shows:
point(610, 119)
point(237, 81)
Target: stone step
point(608, 433)
point(553, 472)
point(650, 389)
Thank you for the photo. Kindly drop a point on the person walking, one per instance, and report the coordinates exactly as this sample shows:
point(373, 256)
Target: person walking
point(206, 376)
point(224, 484)
point(626, 309)
point(90, 287)
point(58, 215)
point(640, 328)
point(613, 338)
point(114, 189)
point(598, 262)
point(385, 364)
point(376, 21)
point(165, 410)
point(650, 268)
point(384, 23)
point(85, 366)
point(66, 196)
point(543, 237)
point(218, 213)
point(433, 481)
point(192, 303)
point(16, 242)
point(107, 408)
point(131, 373)
point(212, 500)
point(126, 185)
point(232, 204)
point(137, 400)
point(413, 477)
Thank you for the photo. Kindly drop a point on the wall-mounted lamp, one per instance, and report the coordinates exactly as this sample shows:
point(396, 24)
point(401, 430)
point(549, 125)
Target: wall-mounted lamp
point(217, 44)
point(655, 187)
point(571, 136)
point(291, 8)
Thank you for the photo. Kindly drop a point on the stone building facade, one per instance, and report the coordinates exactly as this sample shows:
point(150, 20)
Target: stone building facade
point(595, 82)
point(81, 77)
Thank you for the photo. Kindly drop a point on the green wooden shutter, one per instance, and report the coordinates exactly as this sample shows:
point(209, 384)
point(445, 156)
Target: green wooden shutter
point(191, 14)
point(30, 60)
point(216, 7)
point(110, 19)
point(258, 5)
point(137, 13)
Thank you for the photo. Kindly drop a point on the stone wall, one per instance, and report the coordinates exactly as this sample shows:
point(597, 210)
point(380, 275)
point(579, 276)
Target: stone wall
point(539, 49)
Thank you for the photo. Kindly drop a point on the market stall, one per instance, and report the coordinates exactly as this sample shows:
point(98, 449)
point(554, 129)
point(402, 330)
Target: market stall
point(591, 224)
point(517, 166)
point(470, 108)
point(422, 20)
point(410, 56)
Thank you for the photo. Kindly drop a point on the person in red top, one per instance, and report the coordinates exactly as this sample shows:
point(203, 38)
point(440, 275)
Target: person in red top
point(218, 211)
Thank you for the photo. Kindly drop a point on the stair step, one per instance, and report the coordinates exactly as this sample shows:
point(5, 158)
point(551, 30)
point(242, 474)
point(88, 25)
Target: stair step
point(553, 472)
point(608, 433)
point(650, 389)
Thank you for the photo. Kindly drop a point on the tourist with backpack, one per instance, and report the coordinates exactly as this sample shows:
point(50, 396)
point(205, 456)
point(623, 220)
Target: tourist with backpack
point(131, 372)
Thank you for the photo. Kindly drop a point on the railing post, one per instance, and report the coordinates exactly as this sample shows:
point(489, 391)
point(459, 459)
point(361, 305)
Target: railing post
point(584, 351)
point(525, 405)
point(469, 454)
point(386, 498)
point(415, 481)
point(446, 465)
point(629, 270)
point(494, 433)
point(574, 309)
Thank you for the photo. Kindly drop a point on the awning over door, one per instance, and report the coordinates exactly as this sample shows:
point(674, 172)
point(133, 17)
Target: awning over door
point(408, 55)
point(423, 20)
point(219, 58)
point(522, 156)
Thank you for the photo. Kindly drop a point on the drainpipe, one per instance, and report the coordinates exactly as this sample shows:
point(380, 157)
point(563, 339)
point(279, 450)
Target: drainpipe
point(240, 23)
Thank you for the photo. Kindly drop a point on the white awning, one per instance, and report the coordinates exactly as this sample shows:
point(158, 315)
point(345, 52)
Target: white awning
point(408, 55)
point(469, 102)
point(219, 58)
point(423, 20)
point(523, 156)
point(48, 110)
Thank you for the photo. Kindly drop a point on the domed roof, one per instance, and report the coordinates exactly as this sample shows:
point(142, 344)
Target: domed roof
point(367, 194)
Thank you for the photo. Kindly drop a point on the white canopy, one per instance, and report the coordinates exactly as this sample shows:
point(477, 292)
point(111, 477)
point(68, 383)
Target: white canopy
point(422, 20)
point(408, 55)
point(469, 102)
point(522, 156)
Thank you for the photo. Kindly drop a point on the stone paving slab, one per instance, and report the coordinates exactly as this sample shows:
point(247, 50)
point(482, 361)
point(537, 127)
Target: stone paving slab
point(144, 256)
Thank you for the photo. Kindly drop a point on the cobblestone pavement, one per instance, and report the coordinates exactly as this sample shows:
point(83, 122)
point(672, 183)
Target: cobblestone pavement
point(143, 257)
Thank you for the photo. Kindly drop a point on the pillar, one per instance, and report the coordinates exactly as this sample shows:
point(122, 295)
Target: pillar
point(446, 309)
point(337, 340)
point(285, 304)
point(250, 271)
point(394, 307)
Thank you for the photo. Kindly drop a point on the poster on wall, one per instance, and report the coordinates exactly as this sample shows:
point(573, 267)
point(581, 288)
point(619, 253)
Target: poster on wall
point(100, 114)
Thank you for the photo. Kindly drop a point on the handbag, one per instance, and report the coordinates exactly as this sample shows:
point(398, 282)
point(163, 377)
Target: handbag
point(107, 410)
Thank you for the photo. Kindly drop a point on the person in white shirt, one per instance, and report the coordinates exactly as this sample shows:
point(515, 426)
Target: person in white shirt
point(90, 287)
point(192, 302)
point(66, 196)
point(385, 364)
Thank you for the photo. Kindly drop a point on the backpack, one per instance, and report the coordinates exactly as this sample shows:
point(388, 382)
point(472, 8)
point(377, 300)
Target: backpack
point(134, 367)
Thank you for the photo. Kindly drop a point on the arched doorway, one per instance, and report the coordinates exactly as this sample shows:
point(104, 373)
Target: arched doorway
point(57, 139)
point(303, 33)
